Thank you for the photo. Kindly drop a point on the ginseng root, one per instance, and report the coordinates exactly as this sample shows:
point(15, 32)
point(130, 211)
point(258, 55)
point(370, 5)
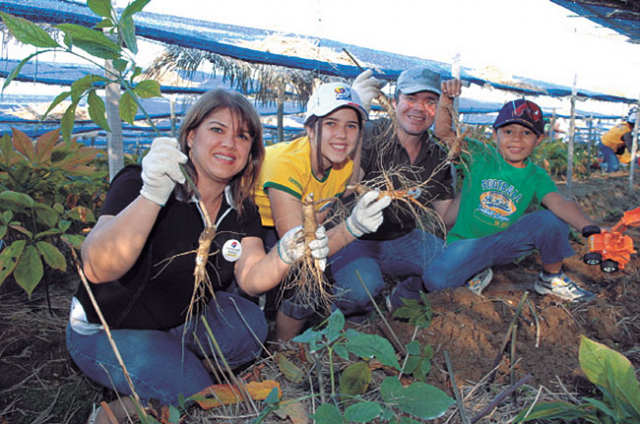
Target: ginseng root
point(307, 276)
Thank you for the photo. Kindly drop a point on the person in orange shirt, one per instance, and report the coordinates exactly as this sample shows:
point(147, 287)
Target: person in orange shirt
point(615, 144)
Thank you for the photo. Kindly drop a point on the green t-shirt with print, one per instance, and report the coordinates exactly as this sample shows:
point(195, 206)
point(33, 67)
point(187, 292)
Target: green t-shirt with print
point(495, 194)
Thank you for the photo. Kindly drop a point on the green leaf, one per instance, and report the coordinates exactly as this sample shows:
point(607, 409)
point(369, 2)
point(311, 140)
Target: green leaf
point(100, 7)
point(64, 225)
point(27, 32)
point(3, 231)
point(128, 32)
point(136, 72)
point(16, 70)
point(9, 258)
point(92, 41)
point(134, 7)
point(362, 412)
point(427, 352)
point(551, 410)
point(74, 239)
point(128, 108)
point(355, 379)
point(81, 214)
point(335, 324)
point(273, 397)
point(16, 198)
point(413, 348)
point(120, 65)
point(327, 413)
point(21, 230)
point(59, 98)
point(371, 345)
point(6, 216)
point(52, 255)
point(98, 111)
point(419, 399)
point(411, 364)
point(67, 121)
point(46, 233)
point(79, 87)
point(340, 350)
point(147, 89)
point(29, 270)
point(105, 23)
point(46, 215)
point(610, 370)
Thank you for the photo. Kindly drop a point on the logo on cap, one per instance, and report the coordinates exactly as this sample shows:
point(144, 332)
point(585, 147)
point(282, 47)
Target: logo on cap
point(530, 109)
point(343, 93)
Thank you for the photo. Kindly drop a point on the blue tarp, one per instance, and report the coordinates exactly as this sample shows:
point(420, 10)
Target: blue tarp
point(624, 22)
point(223, 39)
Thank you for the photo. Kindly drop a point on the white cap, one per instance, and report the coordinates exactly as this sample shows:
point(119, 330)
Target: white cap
point(631, 117)
point(331, 96)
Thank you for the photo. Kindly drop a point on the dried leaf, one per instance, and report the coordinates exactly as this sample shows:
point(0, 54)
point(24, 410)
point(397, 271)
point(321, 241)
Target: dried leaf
point(294, 410)
point(225, 394)
point(291, 372)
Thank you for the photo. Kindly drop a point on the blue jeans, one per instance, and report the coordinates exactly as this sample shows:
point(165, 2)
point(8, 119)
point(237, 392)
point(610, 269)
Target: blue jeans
point(160, 366)
point(462, 259)
point(405, 257)
point(610, 162)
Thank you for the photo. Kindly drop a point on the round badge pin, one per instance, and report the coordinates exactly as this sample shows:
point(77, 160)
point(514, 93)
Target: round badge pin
point(232, 250)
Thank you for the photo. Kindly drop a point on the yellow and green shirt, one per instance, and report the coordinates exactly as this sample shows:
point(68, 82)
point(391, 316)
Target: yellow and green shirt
point(287, 167)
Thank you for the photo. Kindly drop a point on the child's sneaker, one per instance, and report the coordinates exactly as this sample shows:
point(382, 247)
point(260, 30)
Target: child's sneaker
point(563, 287)
point(478, 282)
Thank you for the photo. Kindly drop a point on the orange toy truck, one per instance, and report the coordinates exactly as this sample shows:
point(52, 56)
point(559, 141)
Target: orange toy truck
point(612, 249)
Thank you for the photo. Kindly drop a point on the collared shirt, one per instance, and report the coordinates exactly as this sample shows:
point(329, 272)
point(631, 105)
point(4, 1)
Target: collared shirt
point(381, 151)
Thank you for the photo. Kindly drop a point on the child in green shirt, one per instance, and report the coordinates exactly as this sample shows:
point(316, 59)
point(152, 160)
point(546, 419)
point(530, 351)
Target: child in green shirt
point(499, 184)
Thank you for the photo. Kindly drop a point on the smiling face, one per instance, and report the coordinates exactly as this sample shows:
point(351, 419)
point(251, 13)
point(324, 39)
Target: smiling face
point(415, 112)
point(516, 143)
point(219, 146)
point(340, 132)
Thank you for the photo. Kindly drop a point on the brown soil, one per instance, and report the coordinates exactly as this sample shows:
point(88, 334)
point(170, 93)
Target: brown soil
point(472, 328)
point(39, 383)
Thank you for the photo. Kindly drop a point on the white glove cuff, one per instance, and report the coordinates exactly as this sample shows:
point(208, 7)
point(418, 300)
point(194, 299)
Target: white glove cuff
point(354, 232)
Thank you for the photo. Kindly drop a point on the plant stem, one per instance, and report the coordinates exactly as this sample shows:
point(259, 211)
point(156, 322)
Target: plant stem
point(506, 338)
point(456, 392)
point(333, 379)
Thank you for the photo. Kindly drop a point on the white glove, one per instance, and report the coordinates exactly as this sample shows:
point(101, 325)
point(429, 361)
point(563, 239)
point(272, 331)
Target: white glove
point(367, 215)
point(161, 170)
point(291, 246)
point(367, 88)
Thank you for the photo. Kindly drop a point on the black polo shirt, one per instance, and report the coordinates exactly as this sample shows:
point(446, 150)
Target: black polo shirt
point(156, 292)
point(430, 164)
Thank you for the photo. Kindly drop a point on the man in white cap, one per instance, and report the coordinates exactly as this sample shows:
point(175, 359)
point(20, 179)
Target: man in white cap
point(399, 248)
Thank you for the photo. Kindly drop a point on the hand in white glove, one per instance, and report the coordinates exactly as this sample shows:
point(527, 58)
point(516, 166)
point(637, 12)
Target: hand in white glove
point(161, 170)
point(291, 246)
point(367, 88)
point(367, 215)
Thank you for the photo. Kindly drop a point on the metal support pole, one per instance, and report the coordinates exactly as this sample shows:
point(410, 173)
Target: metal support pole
point(590, 145)
point(572, 130)
point(115, 146)
point(634, 148)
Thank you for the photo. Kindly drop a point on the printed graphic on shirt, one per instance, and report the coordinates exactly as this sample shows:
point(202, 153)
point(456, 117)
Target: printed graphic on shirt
point(498, 201)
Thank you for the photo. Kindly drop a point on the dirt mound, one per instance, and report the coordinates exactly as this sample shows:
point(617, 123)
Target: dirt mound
point(472, 328)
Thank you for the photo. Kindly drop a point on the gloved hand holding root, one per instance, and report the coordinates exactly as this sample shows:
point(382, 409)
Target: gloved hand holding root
point(291, 246)
point(161, 170)
point(367, 215)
